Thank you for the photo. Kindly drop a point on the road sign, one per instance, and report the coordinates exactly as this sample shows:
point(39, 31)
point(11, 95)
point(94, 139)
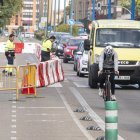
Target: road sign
point(71, 22)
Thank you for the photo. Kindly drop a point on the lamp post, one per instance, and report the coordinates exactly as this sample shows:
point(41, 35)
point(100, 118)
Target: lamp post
point(58, 10)
point(71, 15)
point(54, 14)
point(64, 11)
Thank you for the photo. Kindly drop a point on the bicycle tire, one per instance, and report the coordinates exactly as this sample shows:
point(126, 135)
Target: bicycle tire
point(107, 91)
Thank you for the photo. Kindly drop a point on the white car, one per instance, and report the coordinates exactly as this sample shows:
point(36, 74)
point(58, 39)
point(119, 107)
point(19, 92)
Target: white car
point(82, 64)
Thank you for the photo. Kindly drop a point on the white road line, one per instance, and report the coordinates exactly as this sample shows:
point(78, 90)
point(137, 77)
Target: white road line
point(13, 138)
point(55, 85)
point(23, 107)
point(80, 85)
point(13, 126)
point(13, 120)
point(43, 114)
point(93, 115)
point(13, 132)
point(86, 133)
point(44, 121)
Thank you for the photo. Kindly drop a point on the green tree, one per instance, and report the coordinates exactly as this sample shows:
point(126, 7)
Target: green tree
point(9, 9)
point(127, 4)
point(66, 28)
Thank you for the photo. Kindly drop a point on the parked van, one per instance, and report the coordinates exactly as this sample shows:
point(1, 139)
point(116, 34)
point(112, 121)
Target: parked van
point(124, 36)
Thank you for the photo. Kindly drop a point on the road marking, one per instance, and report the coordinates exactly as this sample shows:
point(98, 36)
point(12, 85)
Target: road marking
point(86, 133)
point(92, 114)
point(43, 114)
point(80, 85)
point(55, 85)
point(13, 138)
point(22, 107)
point(13, 126)
point(13, 132)
point(44, 121)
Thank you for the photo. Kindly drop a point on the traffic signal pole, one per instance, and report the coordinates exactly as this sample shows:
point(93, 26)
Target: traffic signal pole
point(133, 10)
point(93, 9)
point(109, 9)
point(71, 15)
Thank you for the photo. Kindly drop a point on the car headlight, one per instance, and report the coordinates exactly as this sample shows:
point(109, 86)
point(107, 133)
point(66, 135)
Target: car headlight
point(138, 63)
point(97, 57)
point(84, 62)
point(68, 50)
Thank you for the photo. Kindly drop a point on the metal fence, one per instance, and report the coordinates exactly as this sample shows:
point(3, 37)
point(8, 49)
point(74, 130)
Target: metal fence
point(23, 79)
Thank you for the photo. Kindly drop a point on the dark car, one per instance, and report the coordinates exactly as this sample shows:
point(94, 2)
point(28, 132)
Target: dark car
point(60, 45)
point(70, 48)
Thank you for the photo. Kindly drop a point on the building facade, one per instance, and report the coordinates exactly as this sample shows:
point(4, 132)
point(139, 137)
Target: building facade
point(30, 15)
point(83, 9)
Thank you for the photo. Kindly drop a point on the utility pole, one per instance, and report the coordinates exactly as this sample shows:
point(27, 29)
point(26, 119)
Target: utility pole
point(45, 15)
point(133, 10)
point(51, 13)
point(54, 14)
point(71, 15)
point(109, 9)
point(64, 11)
point(93, 9)
point(58, 11)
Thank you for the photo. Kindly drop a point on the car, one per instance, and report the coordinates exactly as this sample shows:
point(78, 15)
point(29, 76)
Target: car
point(81, 60)
point(78, 54)
point(60, 45)
point(82, 64)
point(6, 33)
point(70, 48)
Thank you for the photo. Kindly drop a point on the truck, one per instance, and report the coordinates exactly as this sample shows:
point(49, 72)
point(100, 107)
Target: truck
point(124, 37)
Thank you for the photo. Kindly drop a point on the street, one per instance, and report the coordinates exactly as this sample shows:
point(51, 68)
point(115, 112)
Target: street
point(52, 114)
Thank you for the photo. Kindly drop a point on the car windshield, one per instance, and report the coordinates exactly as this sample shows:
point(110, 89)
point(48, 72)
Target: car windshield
point(64, 40)
point(119, 38)
point(74, 42)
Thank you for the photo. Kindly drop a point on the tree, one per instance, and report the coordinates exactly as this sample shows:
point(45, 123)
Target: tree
point(9, 9)
point(66, 28)
point(127, 4)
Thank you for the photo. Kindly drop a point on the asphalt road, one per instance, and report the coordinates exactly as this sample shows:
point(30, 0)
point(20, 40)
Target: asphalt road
point(52, 114)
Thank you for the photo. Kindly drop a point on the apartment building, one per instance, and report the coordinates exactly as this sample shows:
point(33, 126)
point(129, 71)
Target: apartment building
point(30, 15)
point(83, 9)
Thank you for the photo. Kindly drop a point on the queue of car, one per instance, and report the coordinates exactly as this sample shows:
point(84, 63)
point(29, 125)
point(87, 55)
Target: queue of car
point(72, 49)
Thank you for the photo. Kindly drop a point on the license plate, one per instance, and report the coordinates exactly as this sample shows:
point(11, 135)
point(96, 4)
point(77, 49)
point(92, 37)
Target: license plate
point(122, 77)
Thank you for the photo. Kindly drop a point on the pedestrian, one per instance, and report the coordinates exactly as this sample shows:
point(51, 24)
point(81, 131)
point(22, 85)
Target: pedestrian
point(108, 61)
point(46, 48)
point(10, 54)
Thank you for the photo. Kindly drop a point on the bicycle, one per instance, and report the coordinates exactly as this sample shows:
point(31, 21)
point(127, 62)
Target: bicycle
point(107, 86)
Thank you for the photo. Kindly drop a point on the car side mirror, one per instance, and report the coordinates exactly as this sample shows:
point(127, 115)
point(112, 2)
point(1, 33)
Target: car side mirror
point(87, 44)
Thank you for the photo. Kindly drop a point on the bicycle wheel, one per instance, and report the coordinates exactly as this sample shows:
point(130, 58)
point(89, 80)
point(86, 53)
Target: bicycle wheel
point(108, 91)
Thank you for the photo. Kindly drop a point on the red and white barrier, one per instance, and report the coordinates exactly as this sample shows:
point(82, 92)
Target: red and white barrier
point(49, 72)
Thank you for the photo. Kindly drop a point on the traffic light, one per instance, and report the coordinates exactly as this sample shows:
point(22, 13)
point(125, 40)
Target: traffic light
point(1, 2)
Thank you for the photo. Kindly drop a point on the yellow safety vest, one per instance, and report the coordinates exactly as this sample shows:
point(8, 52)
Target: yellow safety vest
point(9, 46)
point(47, 44)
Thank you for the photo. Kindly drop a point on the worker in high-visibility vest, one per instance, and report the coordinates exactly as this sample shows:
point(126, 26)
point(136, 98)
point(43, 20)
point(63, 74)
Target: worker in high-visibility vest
point(46, 48)
point(10, 54)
